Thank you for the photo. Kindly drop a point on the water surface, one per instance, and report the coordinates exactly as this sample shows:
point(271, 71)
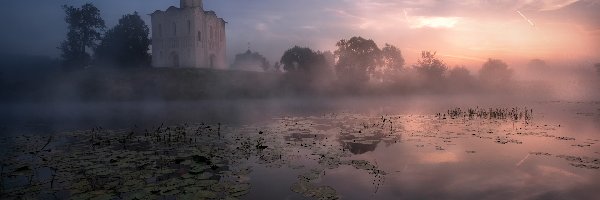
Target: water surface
point(364, 148)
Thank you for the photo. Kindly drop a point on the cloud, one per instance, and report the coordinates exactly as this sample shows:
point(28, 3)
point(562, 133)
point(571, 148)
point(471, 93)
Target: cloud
point(434, 22)
point(462, 28)
point(439, 157)
point(261, 27)
point(545, 5)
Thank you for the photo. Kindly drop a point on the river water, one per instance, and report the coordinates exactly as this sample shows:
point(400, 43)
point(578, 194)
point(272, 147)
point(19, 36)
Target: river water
point(350, 148)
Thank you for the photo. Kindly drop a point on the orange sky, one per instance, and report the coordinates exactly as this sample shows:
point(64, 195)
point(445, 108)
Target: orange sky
point(516, 33)
point(464, 32)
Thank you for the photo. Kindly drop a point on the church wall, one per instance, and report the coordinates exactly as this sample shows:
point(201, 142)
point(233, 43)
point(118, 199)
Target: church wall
point(181, 39)
point(200, 47)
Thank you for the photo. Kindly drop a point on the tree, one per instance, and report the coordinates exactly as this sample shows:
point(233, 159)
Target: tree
point(357, 59)
point(305, 67)
point(253, 61)
point(85, 25)
point(430, 67)
point(495, 73)
point(392, 62)
point(329, 57)
point(460, 78)
point(126, 44)
point(300, 60)
point(459, 73)
point(392, 58)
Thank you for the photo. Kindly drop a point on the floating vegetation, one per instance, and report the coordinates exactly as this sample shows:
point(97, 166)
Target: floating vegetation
point(516, 113)
point(580, 159)
point(586, 143)
point(215, 161)
point(540, 153)
point(305, 187)
point(178, 161)
point(313, 191)
point(586, 166)
point(575, 161)
point(506, 140)
point(564, 138)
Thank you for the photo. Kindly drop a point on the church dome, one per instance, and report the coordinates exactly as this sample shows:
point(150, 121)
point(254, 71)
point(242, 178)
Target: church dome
point(191, 3)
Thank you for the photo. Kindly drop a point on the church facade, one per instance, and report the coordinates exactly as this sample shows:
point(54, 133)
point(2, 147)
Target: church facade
point(188, 37)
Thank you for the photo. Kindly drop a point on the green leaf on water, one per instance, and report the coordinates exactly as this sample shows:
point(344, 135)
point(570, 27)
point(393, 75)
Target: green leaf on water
point(170, 192)
point(239, 189)
point(205, 183)
point(137, 195)
point(199, 194)
point(187, 162)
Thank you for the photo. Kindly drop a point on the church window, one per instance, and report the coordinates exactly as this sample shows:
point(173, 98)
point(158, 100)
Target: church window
point(199, 36)
point(174, 29)
point(189, 27)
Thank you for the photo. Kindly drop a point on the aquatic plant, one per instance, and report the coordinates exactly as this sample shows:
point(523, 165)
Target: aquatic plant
point(515, 113)
point(215, 161)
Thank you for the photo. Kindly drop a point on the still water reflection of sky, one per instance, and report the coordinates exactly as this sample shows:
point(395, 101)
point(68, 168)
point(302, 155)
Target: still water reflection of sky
point(423, 156)
point(554, 156)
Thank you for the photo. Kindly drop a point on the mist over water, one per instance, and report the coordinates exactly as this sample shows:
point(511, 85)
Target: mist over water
point(474, 106)
point(255, 135)
point(82, 115)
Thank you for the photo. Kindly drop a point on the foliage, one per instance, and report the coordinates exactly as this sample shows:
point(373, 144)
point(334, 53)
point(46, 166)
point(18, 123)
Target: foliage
point(301, 60)
point(459, 73)
point(186, 161)
point(431, 67)
point(85, 25)
point(306, 67)
point(251, 61)
point(126, 44)
point(329, 57)
point(495, 72)
point(357, 60)
point(392, 62)
point(392, 58)
point(460, 78)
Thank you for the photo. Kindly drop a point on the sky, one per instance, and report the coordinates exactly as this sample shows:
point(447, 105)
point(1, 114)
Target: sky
point(465, 32)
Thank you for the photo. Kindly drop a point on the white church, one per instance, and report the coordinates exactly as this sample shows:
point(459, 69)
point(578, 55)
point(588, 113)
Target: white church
point(188, 36)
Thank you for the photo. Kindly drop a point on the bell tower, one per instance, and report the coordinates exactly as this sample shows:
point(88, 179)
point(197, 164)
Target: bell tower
point(190, 3)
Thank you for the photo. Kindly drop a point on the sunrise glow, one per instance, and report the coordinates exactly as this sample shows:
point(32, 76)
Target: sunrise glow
point(300, 99)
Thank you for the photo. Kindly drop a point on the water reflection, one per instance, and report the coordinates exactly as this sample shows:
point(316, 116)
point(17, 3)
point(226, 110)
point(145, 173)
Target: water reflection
point(349, 155)
point(360, 148)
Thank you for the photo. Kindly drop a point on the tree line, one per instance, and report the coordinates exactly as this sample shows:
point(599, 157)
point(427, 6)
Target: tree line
point(358, 63)
point(124, 45)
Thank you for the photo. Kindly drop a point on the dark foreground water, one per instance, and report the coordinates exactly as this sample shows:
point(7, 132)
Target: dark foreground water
point(364, 148)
